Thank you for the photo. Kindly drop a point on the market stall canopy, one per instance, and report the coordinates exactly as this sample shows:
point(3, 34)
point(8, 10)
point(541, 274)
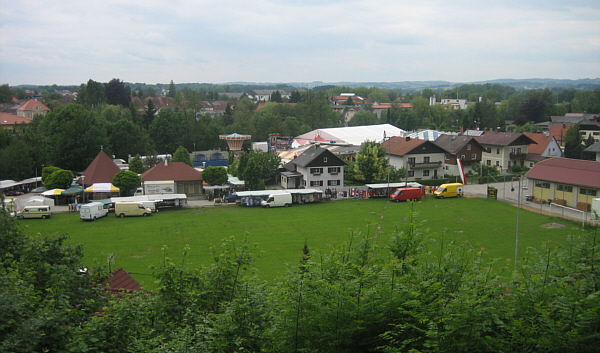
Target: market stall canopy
point(53, 192)
point(74, 189)
point(39, 189)
point(102, 187)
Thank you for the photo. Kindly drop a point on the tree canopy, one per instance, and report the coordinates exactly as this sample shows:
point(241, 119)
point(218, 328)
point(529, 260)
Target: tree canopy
point(214, 175)
point(371, 163)
point(182, 155)
point(127, 181)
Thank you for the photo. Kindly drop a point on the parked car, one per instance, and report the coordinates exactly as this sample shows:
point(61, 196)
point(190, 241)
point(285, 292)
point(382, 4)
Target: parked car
point(42, 212)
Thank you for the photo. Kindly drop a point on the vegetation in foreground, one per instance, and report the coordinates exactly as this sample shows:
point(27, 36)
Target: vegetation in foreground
point(429, 294)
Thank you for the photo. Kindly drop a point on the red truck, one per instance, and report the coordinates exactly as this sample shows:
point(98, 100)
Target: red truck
point(404, 194)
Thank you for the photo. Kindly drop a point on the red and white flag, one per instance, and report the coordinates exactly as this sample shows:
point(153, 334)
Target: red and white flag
point(461, 171)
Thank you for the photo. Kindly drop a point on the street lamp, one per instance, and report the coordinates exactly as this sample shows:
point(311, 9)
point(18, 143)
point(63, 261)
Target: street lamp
point(518, 209)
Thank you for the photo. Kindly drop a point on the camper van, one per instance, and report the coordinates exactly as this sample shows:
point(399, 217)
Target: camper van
point(449, 190)
point(92, 211)
point(405, 194)
point(277, 200)
point(42, 211)
point(123, 209)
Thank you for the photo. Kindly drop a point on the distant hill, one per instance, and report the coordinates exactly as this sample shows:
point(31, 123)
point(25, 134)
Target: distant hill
point(407, 86)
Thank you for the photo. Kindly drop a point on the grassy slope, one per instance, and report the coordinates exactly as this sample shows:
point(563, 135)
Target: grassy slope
point(280, 232)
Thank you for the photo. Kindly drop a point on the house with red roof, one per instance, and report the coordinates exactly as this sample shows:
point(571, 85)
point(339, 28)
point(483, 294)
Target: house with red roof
point(14, 123)
point(504, 149)
point(32, 108)
point(545, 146)
point(101, 170)
point(570, 182)
point(185, 179)
point(422, 159)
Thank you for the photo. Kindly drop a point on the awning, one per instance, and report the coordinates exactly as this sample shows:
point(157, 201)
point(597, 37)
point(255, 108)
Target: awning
point(53, 192)
point(74, 189)
point(102, 187)
point(39, 189)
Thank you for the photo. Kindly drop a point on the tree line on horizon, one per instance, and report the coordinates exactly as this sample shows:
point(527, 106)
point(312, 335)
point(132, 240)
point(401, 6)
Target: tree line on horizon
point(103, 117)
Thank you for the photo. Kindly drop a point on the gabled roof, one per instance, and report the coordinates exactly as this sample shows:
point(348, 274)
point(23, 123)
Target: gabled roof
point(101, 170)
point(567, 171)
point(541, 142)
point(559, 131)
point(594, 148)
point(504, 139)
point(30, 104)
point(120, 280)
point(312, 157)
point(177, 171)
point(12, 119)
point(454, 143)
point(401, 146)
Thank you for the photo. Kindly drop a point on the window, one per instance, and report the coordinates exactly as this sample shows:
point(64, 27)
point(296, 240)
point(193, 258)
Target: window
point(530, 165)
point(426, 159)
point(488, 162)
point(411, 173)
point(316, 183)
point(316, 170)
point(468, 146)
point(474, 157)
point(333, 182)
point(411, 160)
point(426, 172)
point(462, 157)
point(333, 170)
point(497, 163)
point(586, 191)
point(542, 184)
point(324, 159)
point(489, 150)
point(562, 187)
point(497, 151)
point(447, 157)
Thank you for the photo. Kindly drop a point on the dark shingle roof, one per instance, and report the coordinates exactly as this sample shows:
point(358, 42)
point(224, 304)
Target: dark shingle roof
point(454, 143)
point(504, 139)
point(101, 170)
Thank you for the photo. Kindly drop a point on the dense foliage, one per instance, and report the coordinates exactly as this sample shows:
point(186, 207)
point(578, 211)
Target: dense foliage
point(427, 294)
point(214, 175)
point(127, 181)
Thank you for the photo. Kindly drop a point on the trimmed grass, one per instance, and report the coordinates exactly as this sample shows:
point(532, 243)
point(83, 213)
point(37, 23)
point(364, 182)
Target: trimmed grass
point(137, 242)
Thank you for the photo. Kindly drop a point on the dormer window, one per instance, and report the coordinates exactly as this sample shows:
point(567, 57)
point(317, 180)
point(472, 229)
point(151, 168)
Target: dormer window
point(324, 159)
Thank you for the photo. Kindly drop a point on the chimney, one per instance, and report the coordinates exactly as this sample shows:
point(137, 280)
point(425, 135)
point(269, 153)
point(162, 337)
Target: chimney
point(166, 162)
point(407, 138)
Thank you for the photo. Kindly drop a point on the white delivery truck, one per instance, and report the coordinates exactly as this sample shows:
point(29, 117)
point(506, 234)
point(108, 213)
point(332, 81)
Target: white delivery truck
point(92, 211)
point(277, 200)
point(123, 209)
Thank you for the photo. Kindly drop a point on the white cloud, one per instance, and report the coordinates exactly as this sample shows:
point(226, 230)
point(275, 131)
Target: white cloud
point(281, 41)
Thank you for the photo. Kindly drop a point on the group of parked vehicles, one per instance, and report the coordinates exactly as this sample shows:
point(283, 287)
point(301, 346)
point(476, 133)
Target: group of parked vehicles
point(39, 207)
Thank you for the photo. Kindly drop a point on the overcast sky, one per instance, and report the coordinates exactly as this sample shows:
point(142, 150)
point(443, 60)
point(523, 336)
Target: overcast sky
point(218, 41)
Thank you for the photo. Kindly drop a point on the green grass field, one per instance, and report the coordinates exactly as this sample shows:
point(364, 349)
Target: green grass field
point(280, 232)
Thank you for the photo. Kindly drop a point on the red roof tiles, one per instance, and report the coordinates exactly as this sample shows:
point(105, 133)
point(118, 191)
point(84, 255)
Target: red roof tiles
point(121, 281)
point(401, 146)
point(567, 171)
point(101, 170)
point(177, 171)
point(12, 119)
point(541, 142)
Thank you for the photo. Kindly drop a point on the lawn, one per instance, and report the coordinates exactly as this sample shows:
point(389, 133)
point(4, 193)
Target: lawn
point(280, 232)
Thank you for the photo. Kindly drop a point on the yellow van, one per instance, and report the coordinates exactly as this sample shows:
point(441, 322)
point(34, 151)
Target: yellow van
point(123, 209)
point(42, 212)
point(449, 190)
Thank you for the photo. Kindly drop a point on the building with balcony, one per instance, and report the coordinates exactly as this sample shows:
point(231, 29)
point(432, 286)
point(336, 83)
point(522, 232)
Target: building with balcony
point(316, 168)
point(422, 159)
point(465, 148)
point(504, 149)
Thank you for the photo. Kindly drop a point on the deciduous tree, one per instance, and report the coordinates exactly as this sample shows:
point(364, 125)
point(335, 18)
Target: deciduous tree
point(126, 181)
point(371, 163)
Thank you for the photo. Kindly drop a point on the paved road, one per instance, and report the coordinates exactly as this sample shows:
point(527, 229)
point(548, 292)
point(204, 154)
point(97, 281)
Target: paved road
point(509, 192)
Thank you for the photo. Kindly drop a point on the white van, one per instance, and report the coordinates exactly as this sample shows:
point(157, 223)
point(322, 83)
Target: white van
point(277, 200)
point(123, 209)
point(92, 211)
point(42, 211)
